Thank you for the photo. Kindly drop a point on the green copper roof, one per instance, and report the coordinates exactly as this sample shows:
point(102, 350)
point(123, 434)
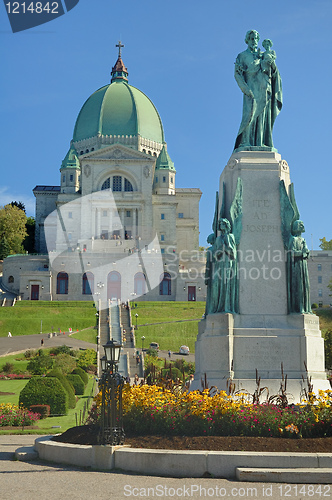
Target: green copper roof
point(71, 160)
point(164, 161)
point(118, 109)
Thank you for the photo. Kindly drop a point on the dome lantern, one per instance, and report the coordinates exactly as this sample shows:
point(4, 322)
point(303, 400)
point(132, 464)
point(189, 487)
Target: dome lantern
point(119, 71)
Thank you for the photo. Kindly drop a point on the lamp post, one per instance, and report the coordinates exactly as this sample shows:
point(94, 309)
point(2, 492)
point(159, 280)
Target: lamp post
point(111, 429)
point(142, 338)
point(136, 316)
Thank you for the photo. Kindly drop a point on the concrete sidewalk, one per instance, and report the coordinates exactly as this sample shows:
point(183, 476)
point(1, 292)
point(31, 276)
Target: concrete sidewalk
point(28, 480)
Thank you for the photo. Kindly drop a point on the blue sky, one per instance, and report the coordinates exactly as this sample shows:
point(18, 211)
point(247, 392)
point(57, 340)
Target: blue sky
point(181, 54)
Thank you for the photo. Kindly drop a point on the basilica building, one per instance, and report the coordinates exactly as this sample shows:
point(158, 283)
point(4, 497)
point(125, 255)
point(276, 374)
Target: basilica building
point(117, 200)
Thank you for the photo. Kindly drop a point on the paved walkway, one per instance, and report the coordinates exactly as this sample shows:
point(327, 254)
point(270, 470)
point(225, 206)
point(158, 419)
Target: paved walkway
point(21, 343)
point(37, 479)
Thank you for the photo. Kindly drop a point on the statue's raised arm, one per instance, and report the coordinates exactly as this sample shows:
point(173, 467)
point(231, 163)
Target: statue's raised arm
point(257, 75)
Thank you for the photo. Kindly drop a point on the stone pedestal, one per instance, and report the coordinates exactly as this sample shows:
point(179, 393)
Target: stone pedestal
point(262, 335)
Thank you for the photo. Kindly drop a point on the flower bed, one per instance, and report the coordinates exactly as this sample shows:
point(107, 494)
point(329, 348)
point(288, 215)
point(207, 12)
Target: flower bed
point(160, 411)
point(13, 415)
point(14, 376)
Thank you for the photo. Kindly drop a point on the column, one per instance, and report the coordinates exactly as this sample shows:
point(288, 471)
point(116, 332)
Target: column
point(98, 223)
point(134, 228)
point(121, 213)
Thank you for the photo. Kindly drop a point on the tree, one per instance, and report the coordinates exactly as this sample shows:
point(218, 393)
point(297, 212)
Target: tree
point(330, 287)
point(29, 241)
point(18, 204)
point(12, 227)
point(4, 247)
point(325, 245)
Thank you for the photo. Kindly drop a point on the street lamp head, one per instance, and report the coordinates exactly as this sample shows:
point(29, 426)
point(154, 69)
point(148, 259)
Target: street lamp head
point(103, 363)
point(112, 351)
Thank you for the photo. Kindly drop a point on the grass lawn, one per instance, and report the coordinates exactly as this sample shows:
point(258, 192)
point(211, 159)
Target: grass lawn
point(174, 330)
point(25, 317)
point(50, 425)
point(14, 386)
point(18, 360)
point(87, 335)
point(325, 318)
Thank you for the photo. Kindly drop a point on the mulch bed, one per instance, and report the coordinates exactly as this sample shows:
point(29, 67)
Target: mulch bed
point(88, 435)
point(6, 393)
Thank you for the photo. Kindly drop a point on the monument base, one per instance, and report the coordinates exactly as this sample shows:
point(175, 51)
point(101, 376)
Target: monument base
point(231, 347)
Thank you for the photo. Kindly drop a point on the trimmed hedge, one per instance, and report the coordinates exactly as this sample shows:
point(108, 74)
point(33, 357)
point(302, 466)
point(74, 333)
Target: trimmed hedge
point(69, 388)
point(77, 383)
point(43, 410)
point(84, 376)
point(166, 373)
point(45, 391)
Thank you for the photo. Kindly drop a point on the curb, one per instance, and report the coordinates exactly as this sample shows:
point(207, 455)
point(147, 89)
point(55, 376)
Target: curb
point(265, 466)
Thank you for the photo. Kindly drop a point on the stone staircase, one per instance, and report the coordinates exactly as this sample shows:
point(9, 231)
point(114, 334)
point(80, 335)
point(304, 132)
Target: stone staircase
point(128, 340)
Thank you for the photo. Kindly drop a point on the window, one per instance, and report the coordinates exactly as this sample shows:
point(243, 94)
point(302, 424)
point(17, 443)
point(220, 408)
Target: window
point(320, 293)
point(117, 183)
point(69, 236)
point(162, 237)
point(62, 284)
point(164, 179)
point(128, 213)
point(71, 178)
point(104, 213)
point(162, 216)
point(319, 267)
point(320, 279)
point(87, 284)
point(70, 215)
point(162, 250)
point(139, 284)
point(106, 184)
point(165, 287)
point(63, 178)
point(180, 215)
point(156, 179)
point(10, 279)
point(128, 185)
point(171, 180)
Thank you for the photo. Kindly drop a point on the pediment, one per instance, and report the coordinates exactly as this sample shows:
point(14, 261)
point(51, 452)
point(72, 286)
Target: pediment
point(117, 152)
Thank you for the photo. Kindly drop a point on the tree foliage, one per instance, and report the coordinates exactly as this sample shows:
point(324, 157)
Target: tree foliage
point(325, 244)
point(12, 227)
point(4, 247)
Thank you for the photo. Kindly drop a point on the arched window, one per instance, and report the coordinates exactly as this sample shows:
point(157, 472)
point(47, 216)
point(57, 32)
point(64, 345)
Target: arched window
point(118, 184)
point(139, 284)
point(165, 287)
point(11, 279)
point(62, 283)
point(87, 284)
point(114, 285)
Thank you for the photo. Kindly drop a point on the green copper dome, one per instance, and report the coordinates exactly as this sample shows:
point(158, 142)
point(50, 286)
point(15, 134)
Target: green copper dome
point(119, 109)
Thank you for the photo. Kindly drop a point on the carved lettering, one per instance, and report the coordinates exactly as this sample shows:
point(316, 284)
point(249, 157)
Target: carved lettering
point(262, 228)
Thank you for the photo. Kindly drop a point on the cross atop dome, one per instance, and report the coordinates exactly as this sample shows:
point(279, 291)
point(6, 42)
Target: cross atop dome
point(119, 71)
point(120, 45)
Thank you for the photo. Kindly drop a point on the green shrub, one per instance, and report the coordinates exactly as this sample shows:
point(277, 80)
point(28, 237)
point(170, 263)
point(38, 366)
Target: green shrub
point(45, 391)
point(42, 410)
point(314, 306)
point(65, 362)
point(40, 365)
point(166, 373)
point(84, 376)
point(8, 367)
point(69, 388)
point(328, 349)
point(87, 358)
point(63, 349)
point(29, 353)
point(152, 352)
point(77, 383)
